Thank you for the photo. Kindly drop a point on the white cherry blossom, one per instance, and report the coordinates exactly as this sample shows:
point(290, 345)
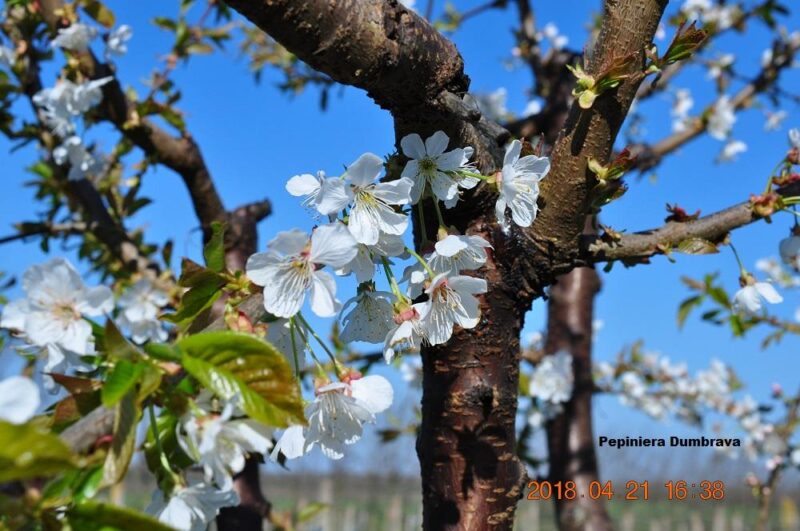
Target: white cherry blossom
point(117, 41)
point(19, 399)
point(363, 264)
point(717, 67)
point(191, 508)
point(789, 249)
point(308, 187)
point(551, 34)
point(67, 100)
point(370, 319)
point(291, 267)
point(221, 444)
point(731, 150)
point(57, 299)
point(82, 164)
point(553, 379)
point(430, 163)
point(721, 119)
point(371, 203)
point(279, 335)
point(140, 305)
point(76, 37)
point(680, 110)
point(749, 300)
point(518, 185)
point(336, 417)
point(452, 302)
point(408, 332)
point(456, 253)
point(794, 138)
point(775, 120)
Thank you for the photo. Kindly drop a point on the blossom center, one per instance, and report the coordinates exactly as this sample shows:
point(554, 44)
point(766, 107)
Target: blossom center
point(427, 166)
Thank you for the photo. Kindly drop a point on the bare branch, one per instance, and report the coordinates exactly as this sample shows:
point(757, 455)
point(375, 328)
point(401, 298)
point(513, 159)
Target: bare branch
point(642, 245)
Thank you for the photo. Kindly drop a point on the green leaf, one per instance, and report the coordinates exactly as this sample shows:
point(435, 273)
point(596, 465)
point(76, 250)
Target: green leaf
point(99, 12)
point(697, 246)
point(116, 346)
point(126, 418)
point(214, 251)
point(162, 352)
point(686, 307)
point(123, 377)
point(28, 451)
point(97, 516)
point(231, 363)
point(204, 288)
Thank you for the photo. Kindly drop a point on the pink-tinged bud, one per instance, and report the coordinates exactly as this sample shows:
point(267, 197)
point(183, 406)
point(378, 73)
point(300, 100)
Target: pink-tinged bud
point(239, 322)
point(777, 390)
point(170, 368)
point(405, 315)
point(349, 375)
point(751, 480)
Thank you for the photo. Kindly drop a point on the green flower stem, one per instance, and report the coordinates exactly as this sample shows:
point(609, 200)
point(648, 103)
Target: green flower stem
point(292, 327)
point(421, 212)
point(319, 340)
point(422, 261)
point(392, 281)
point(442, 224)
point(320, 369)
point(742, 270)
point(466, 173)
point(774, 172)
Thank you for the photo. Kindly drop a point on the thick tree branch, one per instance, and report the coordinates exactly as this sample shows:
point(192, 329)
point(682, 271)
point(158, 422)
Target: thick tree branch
point(714, 227)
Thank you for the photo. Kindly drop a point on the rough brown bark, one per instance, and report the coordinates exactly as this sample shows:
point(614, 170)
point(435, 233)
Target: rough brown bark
point(570, 439)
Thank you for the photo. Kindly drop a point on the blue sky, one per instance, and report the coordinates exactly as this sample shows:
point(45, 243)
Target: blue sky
point(254, 138)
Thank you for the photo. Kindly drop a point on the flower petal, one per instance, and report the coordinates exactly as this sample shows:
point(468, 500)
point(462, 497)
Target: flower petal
point(365, 169)
point(374, 392)
point(436, 143)
point(334, 196)
point(333, 245)
point(412, 146)
point(323, 295)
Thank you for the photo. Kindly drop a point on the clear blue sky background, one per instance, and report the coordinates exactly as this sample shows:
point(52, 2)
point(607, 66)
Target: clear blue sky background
point(254, 138)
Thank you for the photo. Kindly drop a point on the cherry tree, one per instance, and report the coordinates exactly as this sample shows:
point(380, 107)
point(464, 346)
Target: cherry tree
point(451, 238)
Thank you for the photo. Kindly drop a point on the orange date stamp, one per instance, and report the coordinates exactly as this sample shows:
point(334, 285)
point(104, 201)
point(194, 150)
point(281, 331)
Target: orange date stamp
point(704, 490)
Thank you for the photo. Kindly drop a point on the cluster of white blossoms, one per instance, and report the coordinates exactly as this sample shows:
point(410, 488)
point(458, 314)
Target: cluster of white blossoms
point(709, 12)
point(52, 315)
point(191, 508)
point(140, 306)
point(218, 442)
point(337, 416)
point(551, 384)
point(62, 104)
point(656, 386)
point(367, 216)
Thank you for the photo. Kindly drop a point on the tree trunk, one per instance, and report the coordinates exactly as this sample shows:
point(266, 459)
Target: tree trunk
point(570, 438)
point(471, 476)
